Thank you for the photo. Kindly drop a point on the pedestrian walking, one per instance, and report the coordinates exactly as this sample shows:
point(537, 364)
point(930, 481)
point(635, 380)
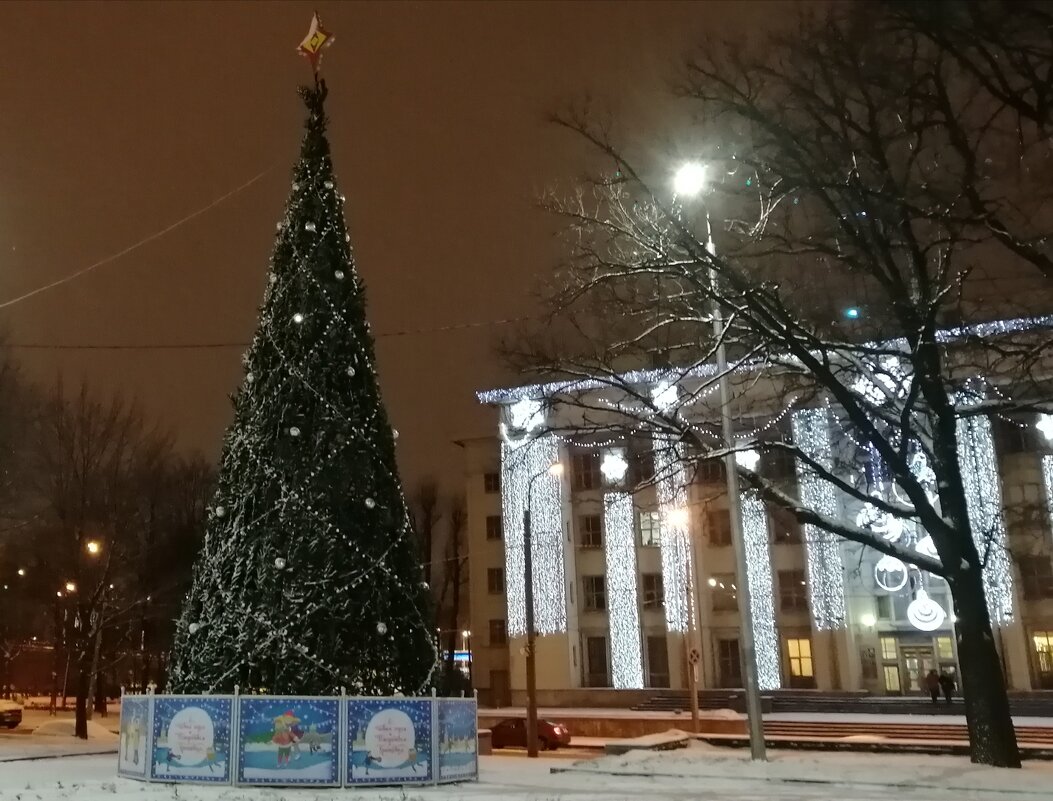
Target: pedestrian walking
point(932, 684)
point(947, 685)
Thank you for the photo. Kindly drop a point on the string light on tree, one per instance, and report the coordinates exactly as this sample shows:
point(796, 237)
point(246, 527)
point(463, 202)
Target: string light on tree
point(675, 542)
point(759, 576)
point(306, 503)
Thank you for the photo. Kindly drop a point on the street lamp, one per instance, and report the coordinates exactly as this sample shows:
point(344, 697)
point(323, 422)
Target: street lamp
point(690, 181)
point(71, 587)
point(554, 469)
point(93, 547)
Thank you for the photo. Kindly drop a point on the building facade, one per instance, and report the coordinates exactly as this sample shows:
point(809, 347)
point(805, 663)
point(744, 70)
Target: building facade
point(635, 584)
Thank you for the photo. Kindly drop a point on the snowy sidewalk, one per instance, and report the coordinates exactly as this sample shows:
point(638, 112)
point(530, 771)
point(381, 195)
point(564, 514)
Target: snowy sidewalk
point(19, 747)
point(863, 771)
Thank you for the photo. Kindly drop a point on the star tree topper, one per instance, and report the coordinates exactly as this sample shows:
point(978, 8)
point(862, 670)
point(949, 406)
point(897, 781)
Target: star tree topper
point(316, 39)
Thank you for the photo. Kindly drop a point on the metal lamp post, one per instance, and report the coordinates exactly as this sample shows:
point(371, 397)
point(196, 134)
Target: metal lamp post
point(555, 469)
point(689, 182)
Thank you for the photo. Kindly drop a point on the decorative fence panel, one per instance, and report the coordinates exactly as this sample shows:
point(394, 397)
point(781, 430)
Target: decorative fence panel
point(298, 741)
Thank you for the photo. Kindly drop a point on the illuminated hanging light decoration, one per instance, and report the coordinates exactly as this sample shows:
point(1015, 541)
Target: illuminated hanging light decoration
point(619, 535)
point(1047, 474)
point(614, 467)
point(826, 575)
point(891, 574)
point(758, 577)
point(520, 462)
point(924, 613)
point(983, 497)
point(675, 538)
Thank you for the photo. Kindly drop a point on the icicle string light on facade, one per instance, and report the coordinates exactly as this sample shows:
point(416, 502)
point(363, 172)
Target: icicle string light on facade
point(520, 463)
point(758, 576)
point(1047, 475)
point(983, 497)
point(675, 538)
point(826, 575)
point(622, 603)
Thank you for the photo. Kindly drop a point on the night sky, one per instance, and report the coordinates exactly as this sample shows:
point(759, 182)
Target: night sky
point(117, 119)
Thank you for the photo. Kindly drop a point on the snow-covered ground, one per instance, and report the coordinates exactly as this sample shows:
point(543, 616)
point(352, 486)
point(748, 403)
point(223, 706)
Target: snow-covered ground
point(695, 773)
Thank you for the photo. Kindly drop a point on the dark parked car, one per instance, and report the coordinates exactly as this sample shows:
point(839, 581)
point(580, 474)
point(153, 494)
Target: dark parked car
point(512, 733)
point(10, 713)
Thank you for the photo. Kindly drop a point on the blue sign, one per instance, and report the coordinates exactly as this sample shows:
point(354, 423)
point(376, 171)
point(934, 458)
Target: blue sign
point(289, 741)
point(133, 755)
point(191, 738)
point(389, 741)
point(458, 739)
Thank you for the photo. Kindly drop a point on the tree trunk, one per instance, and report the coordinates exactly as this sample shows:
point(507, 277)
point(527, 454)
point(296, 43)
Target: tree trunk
point(93, 676)
point(987, 714)
point(83, 668)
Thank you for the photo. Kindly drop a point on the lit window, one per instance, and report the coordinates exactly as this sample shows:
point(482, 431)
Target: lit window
point(800, 653)
point(493, 527)
point(650, 529)
point(1043, 641)
point(944, 648)
point(888, 648)
point(892, 678)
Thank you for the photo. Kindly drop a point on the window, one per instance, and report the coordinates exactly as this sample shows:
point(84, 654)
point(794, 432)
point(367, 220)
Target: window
point(491, 483)
point(590, 531)
point(800, 652)
point(725, 596)
point(884, 607)
point(728, 663)
point(1043, 644)
point(650, 529)
point(793, 591)
point(641, 467)
point(653, 591)
point(888, 648)
point(944, 648)
point(1036, 577)
point(495, 580)
point(718, 528)
point(892, 678)
point(498, 632)
point(594, 593)
point(596, 655)
point(784, 526)
point(493, 527)
point(710, 471)
point(778, 465)
point(586, 470)
point(1016, 436)
point(657, 662)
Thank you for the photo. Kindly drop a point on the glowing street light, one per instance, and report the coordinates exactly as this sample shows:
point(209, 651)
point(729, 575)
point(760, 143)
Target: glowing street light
point(690, 179)
point(71, 587)
point(21, 571)
point(93, 547)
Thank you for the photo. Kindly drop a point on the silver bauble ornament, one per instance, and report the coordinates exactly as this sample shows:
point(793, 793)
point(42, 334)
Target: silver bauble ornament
point(294, 431)
point(370, 503)
point(221, 511)
point(382, 627)
point(310, 226)
point(279, 563)
point(339, 275)
point(297, 318)
point(193, 628)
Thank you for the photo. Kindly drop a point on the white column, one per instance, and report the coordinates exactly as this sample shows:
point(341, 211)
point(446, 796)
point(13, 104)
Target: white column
point(983, 495)
point(622, 594)
point(762, 602)
point(676, 546)
point(826, 573)
point(520, 463)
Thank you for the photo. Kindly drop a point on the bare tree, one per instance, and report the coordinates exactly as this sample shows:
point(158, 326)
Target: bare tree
point(855, 163)
point(455, 574)
point(425, 515)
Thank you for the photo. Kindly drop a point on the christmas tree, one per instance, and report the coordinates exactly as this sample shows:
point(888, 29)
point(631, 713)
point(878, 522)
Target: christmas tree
point(308, 580)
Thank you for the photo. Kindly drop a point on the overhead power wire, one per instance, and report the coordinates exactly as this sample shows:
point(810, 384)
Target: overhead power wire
point(135, 246)
point(406, 332)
